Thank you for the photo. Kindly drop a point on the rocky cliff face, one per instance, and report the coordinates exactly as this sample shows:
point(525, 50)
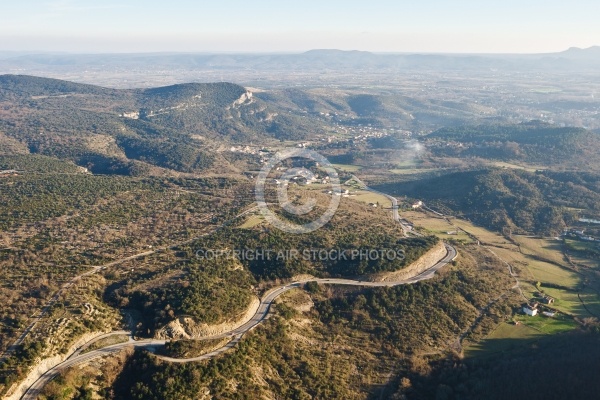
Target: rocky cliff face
point(245, 98)
point(188, 328)
point(428, 259)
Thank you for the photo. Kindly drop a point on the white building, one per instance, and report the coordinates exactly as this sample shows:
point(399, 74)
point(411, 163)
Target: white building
point(530, 311)
point(418, 204)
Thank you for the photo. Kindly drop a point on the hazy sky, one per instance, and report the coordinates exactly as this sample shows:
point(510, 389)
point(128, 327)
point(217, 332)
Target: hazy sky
point(268, 26)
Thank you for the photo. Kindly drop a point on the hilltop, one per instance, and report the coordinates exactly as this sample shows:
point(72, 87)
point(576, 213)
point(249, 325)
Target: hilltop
point(135, 131)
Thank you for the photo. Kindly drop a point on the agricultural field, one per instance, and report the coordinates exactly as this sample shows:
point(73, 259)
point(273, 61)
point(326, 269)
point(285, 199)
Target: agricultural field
point(485, 236)
point(588, 262)
point(583, 249)
point(559, 282)
point(544, 272)
point(440, 226)
point(523, 330)
point(549, 249)
point(547, 325)
point(505, 337)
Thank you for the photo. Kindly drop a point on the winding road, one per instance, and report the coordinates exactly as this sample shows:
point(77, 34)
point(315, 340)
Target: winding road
point(393, 200)
point(236, 334)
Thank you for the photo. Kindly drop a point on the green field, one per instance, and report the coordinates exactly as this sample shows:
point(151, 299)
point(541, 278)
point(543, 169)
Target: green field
point(549, 273)
point(587, 248)
point(547, 325)
point(530, 168)
point(369, 197)
point(252, 221)
point(436, 225)
point(508, 336)
point(589, 262)
point(531, 271)
point(549, 249)
point(505, 337)
point(483, 234)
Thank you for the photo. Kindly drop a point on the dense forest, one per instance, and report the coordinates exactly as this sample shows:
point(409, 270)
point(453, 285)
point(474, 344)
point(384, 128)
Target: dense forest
point(210, 292)
point(535, 142)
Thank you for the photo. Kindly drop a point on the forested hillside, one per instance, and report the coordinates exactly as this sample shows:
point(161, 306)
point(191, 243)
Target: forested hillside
point(129, 132)
point(535, 142)
point(527, 202)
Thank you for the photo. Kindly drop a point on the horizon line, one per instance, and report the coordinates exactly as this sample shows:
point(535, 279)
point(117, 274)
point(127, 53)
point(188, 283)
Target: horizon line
point(278, 52)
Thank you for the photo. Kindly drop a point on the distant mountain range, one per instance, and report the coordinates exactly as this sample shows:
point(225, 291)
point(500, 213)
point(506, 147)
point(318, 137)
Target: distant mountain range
point(571, 59)
point(575, 53)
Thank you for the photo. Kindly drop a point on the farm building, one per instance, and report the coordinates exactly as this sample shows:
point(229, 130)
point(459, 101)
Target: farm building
point(529, 311)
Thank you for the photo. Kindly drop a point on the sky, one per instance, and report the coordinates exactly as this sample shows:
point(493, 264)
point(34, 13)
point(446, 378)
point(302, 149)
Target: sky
point(458, 26)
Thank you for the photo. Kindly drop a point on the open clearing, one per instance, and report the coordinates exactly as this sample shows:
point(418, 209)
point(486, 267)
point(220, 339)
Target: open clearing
point(484, 235)
point(504, 338)
point(548, 325)
point(252, 221)
point(369, 197)
point(529, 168)
point(347, 167)
point(436, 225)
point(549, 249)
point(508, 336)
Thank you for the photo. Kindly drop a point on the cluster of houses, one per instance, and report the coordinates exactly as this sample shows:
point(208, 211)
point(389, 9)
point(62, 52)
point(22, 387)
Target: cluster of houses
point(579, 234)
point(343, 192)
point(360, 133)
point(533, 307)
point(302, 179)
point(248, 149)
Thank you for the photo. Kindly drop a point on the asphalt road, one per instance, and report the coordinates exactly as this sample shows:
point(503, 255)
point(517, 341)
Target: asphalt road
point(393, 200)
point(236, 334)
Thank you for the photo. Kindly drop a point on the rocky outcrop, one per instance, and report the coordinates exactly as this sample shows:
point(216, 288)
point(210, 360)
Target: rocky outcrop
point(188, 328)
point(428, 259)
point(245, 98)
